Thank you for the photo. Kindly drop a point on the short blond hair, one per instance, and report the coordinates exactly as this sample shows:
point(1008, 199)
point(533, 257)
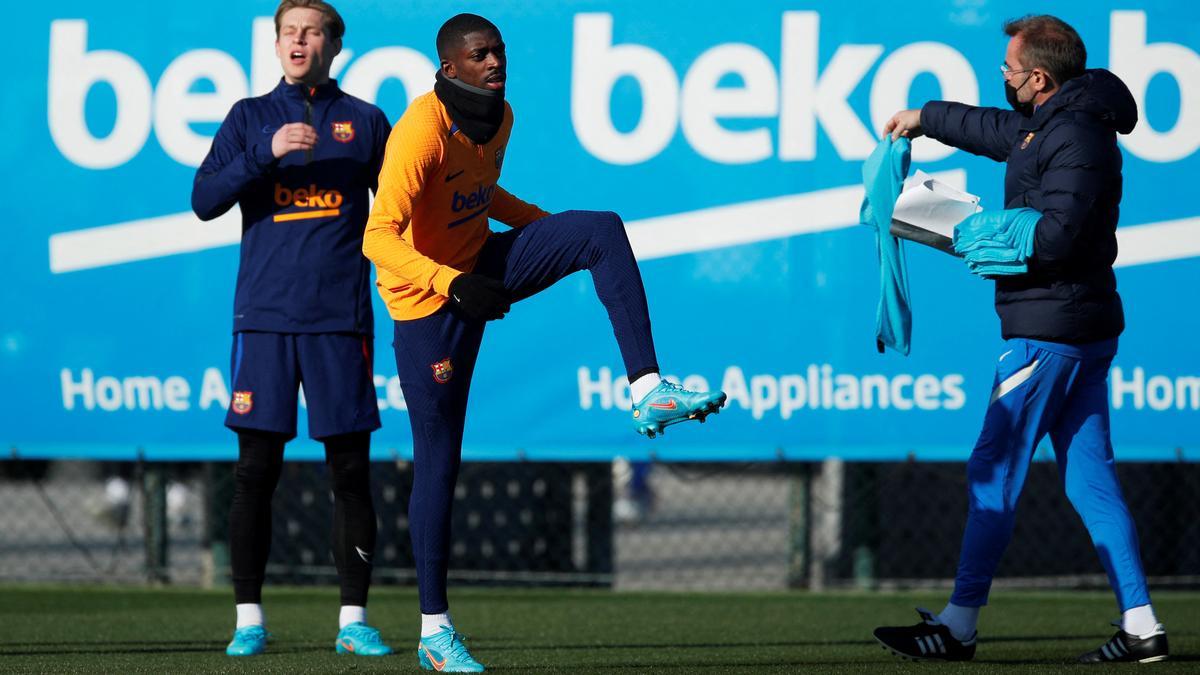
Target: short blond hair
point(333, 21)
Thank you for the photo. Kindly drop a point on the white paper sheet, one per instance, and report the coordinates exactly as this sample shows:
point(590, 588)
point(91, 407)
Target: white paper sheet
point(932, 205)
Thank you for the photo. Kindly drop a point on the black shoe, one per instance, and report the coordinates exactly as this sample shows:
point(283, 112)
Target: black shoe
point(929, 640)
point(1128, 648)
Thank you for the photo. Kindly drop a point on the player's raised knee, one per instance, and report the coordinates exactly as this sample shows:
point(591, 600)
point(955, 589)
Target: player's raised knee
point(607, 223)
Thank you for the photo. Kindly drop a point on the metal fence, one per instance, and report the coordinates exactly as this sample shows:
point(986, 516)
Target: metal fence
point(622, 525)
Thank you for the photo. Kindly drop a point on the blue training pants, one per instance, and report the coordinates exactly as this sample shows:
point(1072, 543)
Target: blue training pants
point(1062, 390)
point(435, 358)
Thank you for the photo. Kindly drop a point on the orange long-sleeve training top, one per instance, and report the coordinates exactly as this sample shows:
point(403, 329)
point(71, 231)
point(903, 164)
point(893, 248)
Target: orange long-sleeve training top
point(437, 190)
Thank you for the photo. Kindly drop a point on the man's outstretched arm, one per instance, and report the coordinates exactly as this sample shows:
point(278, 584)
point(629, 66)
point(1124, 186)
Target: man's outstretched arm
point(981, 131)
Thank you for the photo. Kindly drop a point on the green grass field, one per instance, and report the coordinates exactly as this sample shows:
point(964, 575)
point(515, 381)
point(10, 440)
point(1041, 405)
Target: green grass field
point(121, 630)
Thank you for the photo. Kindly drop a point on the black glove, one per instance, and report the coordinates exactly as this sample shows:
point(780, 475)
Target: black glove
point(479, 297)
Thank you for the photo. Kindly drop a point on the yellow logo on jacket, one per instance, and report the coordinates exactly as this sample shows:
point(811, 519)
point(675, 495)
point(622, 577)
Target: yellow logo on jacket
point(321, 202)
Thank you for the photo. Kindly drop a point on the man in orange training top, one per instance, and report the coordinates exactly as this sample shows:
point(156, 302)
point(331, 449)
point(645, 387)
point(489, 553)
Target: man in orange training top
point(443, 274)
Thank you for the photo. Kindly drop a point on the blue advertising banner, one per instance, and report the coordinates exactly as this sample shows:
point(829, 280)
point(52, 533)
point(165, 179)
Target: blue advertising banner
point(729, 137)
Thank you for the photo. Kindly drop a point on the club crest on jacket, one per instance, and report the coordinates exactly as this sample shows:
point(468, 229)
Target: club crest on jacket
point(343, 132)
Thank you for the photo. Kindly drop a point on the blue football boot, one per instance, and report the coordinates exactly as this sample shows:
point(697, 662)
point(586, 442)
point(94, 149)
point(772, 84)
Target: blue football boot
point(247, 641)
point(446, 652)
point(669, 403)
point(359, 638)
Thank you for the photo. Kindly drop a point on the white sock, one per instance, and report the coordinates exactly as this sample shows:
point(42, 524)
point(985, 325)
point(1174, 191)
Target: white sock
point(1139, 621)
point(250, 614)
point(960, 620)
point(639, 388)
point(351, 614)
point(431, 624)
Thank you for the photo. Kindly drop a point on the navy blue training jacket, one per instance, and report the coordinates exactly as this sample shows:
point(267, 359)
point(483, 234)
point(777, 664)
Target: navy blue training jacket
point(1063, 162)
point(302, 269)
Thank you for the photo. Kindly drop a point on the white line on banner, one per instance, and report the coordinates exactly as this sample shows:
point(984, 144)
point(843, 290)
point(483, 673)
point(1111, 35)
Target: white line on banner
point(1159, 242)
point(750, 222)
point(658, 237)
point(141, 240)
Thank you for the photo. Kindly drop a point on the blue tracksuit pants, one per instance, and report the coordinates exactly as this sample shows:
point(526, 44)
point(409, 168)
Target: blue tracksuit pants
point(435, 358)
point(1061, 390)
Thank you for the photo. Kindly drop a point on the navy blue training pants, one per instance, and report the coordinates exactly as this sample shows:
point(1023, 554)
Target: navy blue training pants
point(435, 358)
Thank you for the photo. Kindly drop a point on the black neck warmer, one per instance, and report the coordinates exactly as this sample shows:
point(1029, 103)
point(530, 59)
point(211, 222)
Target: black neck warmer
point(477, 112)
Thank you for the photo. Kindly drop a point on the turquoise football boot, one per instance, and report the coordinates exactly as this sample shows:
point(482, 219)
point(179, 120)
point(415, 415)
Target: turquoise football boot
point(359, 638)
point(669, 403)
point(247, 641)
point(446, 652)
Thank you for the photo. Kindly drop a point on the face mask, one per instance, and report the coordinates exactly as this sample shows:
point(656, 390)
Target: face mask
point(1010, 94)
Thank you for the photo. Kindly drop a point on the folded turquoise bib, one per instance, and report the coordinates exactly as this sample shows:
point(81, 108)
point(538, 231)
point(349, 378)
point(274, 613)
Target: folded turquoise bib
point(997, 243)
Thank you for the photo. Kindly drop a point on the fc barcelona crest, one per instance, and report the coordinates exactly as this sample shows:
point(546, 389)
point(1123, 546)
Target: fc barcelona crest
point(442, 371)
point(243, 402)
point(1027, 141)
point(343, 132)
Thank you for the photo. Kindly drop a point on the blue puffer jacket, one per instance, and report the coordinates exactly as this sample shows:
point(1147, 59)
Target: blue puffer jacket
point(1063, 162)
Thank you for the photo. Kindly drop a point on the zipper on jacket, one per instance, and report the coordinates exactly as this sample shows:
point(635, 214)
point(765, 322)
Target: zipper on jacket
point(308, 119)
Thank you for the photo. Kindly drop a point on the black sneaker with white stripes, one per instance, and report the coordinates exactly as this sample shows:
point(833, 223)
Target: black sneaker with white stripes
point(929, 640)
point(1128, 648)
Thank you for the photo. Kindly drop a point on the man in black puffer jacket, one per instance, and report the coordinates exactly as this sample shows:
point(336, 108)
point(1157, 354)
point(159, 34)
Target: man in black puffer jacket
point(1061, 320)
